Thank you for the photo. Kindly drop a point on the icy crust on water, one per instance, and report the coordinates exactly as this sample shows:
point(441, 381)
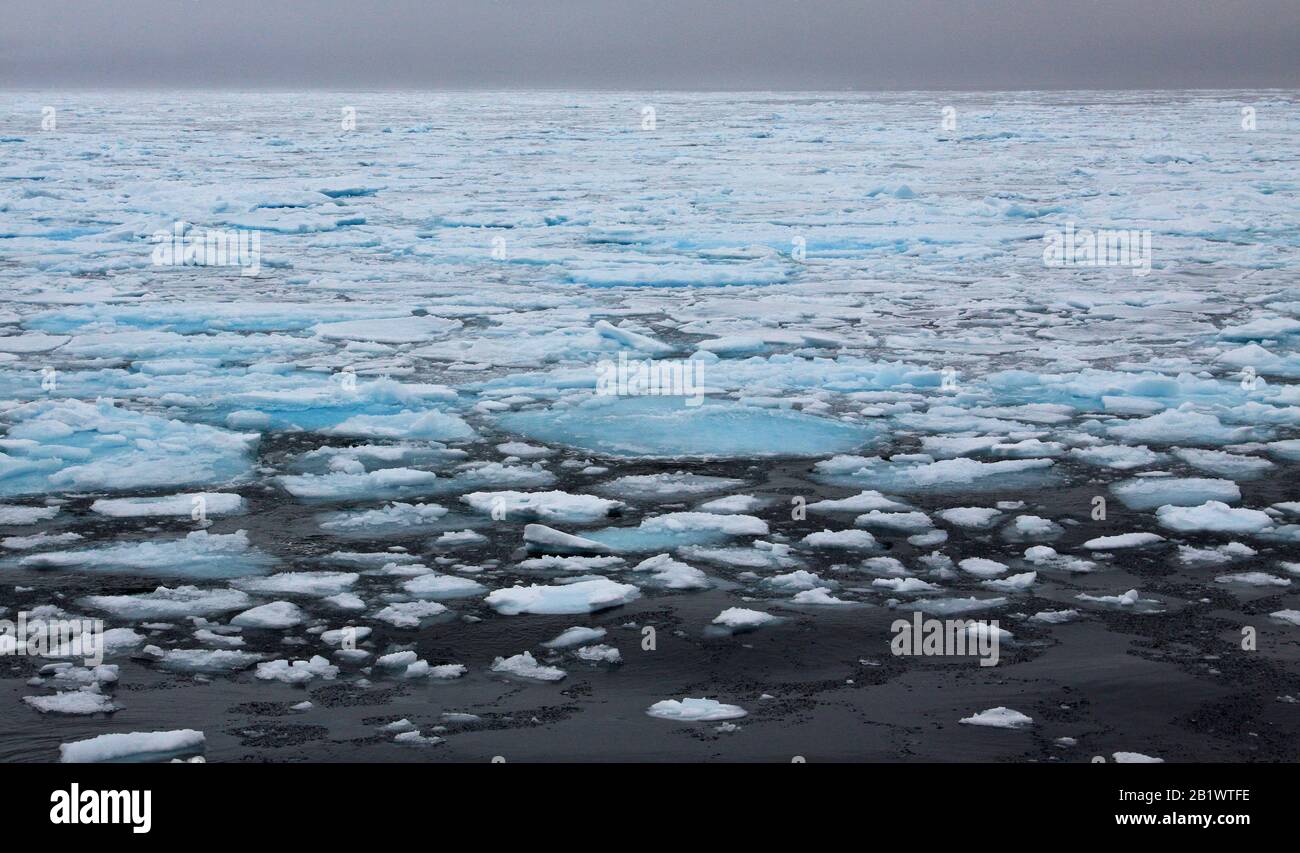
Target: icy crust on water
point(428, 423)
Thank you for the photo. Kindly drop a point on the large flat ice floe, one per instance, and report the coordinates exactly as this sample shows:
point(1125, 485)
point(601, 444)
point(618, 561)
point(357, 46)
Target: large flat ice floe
point(663, 427)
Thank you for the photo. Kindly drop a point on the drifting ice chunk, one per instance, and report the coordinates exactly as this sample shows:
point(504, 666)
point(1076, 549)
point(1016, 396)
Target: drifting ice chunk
point(1180, 426)
point(1253, 579)
point(375, 485)
point(276, 615)
point(300, 583)
point(430, 425)
point(666, 486)
point(1151, 492)
point(207, 660)
point(973, 517)
point(676, 529)
point(695, 710)
point(575, 636)
point(390, 330)
point(524, 665)
point(1214, 517)
point(1123, 540)
point(137, 746)
point(212, 503)
point(857, 540)
point(668, 573)
point(999, 718)
point(297, 672)
point(586, 596)
point(73, 702)
point(11, 514)
point(743, 619)
point(548, 540)
point(546, 506)
point(918, 475)
point(599, 654)
point(407, 614)
point(984, 568)
point(168, 603)
point(442, 587)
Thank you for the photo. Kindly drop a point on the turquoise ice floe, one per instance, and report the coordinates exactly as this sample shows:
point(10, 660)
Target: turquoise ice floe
point(666, 427)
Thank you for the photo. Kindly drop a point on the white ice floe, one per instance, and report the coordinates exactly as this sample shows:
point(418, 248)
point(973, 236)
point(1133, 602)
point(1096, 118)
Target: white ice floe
point(169, 603)
point(974, 517)
point(999, 718)
point(744, 619)
point(667, 573)
point(554, 506)
point(818, 596)
point(1213, 517)
point(439, 587)
point(983, 567)
point(1122, 540)
point(181, 505)
point(408, 614)
point(299, 583)
point(132, 745)
point(1151, 492)
point(276, 615)
point(855, 540)
point(1253, 579)
point(599, 654)
point(695, 710)
point(524, 665)
point(587, 596)
point(298, 671)
point(574, 636)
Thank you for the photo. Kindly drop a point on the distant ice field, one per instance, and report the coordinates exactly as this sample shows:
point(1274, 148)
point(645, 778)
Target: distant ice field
point(450, 376)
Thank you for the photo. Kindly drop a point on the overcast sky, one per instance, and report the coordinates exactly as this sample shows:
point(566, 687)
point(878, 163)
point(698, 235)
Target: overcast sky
point(648, 44)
